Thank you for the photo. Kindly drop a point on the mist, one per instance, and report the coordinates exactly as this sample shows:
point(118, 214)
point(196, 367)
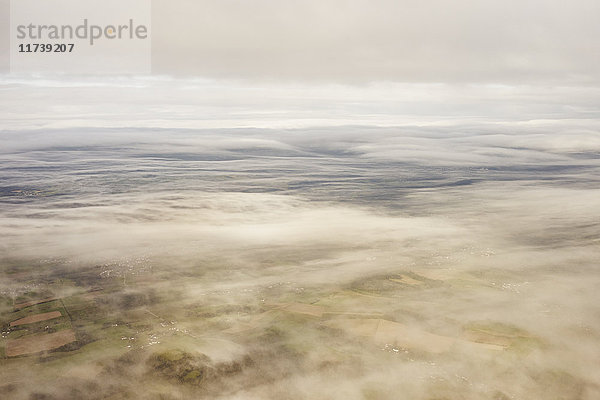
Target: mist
point(423, 241)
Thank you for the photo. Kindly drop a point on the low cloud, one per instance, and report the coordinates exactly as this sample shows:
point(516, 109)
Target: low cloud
point(336, 261)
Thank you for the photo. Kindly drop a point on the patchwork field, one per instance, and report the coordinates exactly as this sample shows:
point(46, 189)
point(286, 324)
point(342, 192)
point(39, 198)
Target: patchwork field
point(37, 343)
point(36, 318)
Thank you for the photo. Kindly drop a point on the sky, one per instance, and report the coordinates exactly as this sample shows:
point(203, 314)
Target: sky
point(356, 41)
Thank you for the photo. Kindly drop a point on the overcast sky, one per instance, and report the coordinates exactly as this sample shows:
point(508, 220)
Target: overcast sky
point(509, 41)
point(356, 41)
point(333, 63)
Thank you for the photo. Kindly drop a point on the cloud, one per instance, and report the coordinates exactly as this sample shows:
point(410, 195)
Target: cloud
point(171, 103)
point(281, 252)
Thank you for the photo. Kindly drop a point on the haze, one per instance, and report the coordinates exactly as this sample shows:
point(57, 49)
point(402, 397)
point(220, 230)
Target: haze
point(310, 200)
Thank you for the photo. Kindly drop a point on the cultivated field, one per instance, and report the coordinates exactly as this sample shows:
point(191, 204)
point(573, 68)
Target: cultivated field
point(36, 318)
point(38, 343)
